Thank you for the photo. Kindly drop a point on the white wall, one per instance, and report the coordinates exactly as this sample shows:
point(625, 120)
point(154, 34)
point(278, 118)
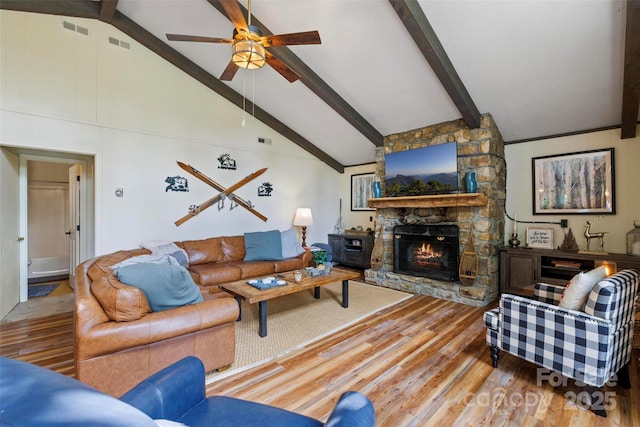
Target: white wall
point(138, 115)
point(627, 181)
point(354, 218)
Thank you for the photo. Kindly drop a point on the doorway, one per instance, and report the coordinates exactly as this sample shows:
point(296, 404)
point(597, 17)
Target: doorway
point(56, 194)
point(49, 201)
point(48, 227)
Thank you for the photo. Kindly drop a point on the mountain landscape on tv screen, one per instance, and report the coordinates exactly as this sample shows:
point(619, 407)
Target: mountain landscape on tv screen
point(417, 185)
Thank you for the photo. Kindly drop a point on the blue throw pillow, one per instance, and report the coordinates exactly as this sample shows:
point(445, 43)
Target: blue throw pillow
point(290, 246)
point(263, 246)
point(165, 286)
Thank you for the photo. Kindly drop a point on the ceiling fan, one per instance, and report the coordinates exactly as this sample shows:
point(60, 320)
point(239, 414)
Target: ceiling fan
point(248, 43)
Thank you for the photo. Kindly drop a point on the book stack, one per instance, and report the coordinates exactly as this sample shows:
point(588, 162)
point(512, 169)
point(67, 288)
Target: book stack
point(566, 263)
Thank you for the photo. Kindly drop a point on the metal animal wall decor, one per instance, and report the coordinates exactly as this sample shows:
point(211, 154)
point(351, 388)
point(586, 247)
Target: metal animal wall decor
point(176, 183)
point(220, 197)
point(265, 189)
point(226, 162)
point(589, 235)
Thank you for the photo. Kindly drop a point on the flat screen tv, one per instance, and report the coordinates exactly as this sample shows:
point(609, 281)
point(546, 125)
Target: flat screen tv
point(422, 171)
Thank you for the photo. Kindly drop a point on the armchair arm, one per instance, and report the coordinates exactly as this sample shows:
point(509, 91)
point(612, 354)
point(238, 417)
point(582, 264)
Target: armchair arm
point(566, 341)
point(171, 392)
point(352, 410)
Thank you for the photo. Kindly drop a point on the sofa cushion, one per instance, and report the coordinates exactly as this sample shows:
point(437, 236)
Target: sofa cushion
point(120, 302)
point(290, 246)
point(288, 264)
point(578, 289)
point(232, 248)
point(203, 251)
point(263, 246)
point(256, 268)
point(165, 286)
point(215, 273)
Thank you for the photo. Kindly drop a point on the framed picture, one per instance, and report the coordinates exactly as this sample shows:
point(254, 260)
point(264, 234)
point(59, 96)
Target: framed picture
point(361, 190)
point(540, 237)
point(574, 183)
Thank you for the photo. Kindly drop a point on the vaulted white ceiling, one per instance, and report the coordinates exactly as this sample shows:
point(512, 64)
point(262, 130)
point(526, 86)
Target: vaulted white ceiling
point(540, 68)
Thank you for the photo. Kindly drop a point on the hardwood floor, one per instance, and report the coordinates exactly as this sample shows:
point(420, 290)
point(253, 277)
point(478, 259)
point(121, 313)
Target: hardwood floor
point(421, 362)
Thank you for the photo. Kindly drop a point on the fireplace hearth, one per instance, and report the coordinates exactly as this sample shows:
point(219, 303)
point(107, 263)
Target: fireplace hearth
point(426, 250)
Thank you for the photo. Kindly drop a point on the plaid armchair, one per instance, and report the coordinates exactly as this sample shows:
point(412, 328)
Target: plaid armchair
point(590, 346)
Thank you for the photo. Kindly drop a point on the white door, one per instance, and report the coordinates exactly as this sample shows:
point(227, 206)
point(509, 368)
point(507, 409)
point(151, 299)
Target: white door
point(11, 238)
point(74, 221)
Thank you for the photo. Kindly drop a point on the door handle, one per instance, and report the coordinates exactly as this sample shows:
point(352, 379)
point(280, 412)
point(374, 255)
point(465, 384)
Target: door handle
point(19, 239)
point(68, 233)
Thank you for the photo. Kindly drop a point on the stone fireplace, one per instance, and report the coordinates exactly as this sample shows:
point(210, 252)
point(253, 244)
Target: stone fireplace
point(481, 215)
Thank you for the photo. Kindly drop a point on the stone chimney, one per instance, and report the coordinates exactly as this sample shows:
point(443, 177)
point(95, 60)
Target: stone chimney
point(481, 151)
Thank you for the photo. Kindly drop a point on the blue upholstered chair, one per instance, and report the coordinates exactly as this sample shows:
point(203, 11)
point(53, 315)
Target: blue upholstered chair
point(590, 346)
point(35, 396)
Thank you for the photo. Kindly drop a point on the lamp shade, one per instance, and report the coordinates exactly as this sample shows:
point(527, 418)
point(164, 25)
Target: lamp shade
point(303, 217)
point(248, 54)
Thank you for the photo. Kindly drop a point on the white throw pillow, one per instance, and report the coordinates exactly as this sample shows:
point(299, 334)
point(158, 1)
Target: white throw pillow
point(151, 244)
point(577, 290)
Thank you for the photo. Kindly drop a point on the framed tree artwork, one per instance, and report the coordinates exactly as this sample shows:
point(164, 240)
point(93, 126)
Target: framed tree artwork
point(361, 190)
point(574, 183)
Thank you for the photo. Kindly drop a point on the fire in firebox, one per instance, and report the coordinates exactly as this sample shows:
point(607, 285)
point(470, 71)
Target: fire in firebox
point(426, 256)
point(426, 250)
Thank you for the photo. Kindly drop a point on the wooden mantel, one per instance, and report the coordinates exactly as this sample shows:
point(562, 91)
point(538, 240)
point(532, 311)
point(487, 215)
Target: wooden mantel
point(431, 201)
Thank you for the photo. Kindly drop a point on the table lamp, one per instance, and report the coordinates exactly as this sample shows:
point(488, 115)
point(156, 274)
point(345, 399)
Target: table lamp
point(303, 218)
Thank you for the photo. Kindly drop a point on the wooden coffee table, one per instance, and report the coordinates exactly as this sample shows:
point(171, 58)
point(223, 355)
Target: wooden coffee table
point(242, 291)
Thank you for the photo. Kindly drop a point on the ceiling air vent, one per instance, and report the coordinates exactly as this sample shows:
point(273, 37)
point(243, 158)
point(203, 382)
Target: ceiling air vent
point(117, 42)
point(73, 27)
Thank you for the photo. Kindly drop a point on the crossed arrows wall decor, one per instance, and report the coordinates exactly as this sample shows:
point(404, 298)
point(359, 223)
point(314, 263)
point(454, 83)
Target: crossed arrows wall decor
point(220, 197)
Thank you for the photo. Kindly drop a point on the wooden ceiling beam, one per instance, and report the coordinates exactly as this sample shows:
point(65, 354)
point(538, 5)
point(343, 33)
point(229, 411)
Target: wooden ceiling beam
point(418, 26)
point(74, 8)
point(631, 85)
point(91, 9)
point(107, 10)
point(318, 86)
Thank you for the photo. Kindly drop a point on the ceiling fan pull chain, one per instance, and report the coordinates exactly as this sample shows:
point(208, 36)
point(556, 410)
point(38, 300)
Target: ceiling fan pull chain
point(244, 100)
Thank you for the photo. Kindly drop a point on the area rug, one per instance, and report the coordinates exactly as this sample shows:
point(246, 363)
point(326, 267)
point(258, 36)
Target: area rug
point(41, 290)
point(38, 308)
point(296, 320)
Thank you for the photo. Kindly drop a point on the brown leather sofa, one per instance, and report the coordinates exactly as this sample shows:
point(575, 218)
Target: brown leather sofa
point(219, 260)
point(119, 341)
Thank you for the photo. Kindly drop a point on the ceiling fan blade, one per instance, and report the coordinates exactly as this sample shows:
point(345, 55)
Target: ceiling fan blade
point(279, 66)
point(234, 13)
point(229, 72)
point(185, 38)
point(307, 37)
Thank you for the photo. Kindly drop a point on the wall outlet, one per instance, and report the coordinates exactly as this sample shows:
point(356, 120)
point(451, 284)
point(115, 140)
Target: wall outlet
point(564, 223)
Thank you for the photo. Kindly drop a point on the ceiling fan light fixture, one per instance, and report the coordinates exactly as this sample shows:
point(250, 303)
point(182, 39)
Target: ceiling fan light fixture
point(248, 54)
